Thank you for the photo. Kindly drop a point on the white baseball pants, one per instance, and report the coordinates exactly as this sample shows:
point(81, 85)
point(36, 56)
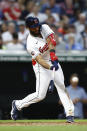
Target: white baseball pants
point(43, 78)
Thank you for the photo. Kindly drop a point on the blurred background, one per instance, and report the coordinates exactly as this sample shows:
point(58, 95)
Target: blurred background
point(68, 19)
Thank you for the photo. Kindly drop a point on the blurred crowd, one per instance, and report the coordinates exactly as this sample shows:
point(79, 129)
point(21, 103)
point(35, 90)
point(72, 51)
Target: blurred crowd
point(67, 18)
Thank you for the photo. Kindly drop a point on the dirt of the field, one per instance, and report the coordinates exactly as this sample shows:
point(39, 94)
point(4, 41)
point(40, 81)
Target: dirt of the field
point(40, 123)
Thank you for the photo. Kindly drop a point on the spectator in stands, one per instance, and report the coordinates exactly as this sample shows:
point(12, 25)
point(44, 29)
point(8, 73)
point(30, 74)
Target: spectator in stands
point(67, 10)
point(12, 12)
point(72, 30)
point(82, 4)
point(84, 34)
point(78, 95)
point(7, 36)
point(22, 2)
point(52, 5)
point(23, 33)
point(55, 15)
point(1, 15)
point(3, 27)
point(72, 44)
point(4, 4)
point(27, 9)
point(14, 45)
point(81, 22)
point(60, 44)
point(1, 42)
point(36, 13)
point(50, 20)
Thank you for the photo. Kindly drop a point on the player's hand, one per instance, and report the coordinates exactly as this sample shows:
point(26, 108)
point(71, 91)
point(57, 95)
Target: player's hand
point(54, 62)
point(54, 66)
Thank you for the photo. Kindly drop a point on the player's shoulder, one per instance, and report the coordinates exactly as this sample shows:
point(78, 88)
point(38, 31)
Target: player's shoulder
point(31, 41)
point(46, 30)
point(45, 26)
point(29, 37)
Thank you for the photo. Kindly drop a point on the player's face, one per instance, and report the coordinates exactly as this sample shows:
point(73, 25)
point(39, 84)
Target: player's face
point(35, 31)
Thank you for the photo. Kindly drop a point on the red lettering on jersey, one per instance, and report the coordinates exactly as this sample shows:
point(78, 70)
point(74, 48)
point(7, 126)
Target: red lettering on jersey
point(44, 48)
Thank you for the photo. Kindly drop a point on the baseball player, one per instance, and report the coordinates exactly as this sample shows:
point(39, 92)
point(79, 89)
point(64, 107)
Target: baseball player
point(41, 46)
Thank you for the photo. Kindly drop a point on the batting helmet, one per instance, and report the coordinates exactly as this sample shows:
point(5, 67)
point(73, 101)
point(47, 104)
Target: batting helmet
point(32, 22)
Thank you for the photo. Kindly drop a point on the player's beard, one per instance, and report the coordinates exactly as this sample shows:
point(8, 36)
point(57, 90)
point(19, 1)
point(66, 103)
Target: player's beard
point(35, 34)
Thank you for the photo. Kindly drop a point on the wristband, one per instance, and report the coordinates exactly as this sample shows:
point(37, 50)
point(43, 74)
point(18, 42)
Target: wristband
point(52, 55)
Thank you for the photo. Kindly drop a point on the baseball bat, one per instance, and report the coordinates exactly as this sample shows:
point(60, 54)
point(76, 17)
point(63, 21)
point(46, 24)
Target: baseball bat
point(51, 87)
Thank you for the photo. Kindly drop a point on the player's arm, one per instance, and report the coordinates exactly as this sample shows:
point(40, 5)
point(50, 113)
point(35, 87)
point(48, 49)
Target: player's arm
point(42, 62)
point(51, 41)
point(52, 44)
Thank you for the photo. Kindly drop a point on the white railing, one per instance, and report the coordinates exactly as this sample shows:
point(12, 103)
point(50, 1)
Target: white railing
point(24, 56)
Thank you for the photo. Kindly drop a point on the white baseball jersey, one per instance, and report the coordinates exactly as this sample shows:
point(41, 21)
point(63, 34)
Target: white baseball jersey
point(37, 45)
